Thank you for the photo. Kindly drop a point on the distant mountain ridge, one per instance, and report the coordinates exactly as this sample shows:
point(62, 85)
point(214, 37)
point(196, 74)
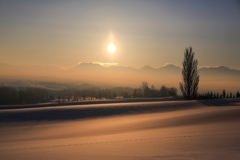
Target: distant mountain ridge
point(97, 71)
point(145, 68)
point(218, 78)
point(166, 68)
point(148, 67)
point(95, 66)
point(220, 71)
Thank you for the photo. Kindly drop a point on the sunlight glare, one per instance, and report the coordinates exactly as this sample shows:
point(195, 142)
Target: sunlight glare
point(111, 48)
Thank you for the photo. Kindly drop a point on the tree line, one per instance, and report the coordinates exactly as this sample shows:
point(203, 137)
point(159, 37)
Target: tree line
point(145, 91)
point(32, 95)
point(211, 95)
point(26, 95)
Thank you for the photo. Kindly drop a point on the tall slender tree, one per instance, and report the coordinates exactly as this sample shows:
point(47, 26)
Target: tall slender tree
point(189, 86)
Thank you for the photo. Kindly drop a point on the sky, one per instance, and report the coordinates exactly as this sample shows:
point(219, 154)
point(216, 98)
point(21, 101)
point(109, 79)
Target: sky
point(65, 33)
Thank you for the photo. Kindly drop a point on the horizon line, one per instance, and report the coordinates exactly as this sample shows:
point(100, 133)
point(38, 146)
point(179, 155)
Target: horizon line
point(109, 64)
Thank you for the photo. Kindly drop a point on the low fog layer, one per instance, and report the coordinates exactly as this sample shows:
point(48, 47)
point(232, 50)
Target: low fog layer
point(211, 78)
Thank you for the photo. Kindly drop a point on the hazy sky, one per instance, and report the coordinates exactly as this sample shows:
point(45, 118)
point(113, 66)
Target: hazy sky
point(150, 32)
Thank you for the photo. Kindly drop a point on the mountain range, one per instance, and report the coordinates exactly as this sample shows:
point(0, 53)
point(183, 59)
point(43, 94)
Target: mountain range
point(217, 72)
point(169, 75)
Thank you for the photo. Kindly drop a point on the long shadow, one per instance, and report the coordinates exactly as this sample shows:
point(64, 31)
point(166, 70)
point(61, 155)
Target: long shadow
point(66, 113)
point(123, 100)
point(221, 102)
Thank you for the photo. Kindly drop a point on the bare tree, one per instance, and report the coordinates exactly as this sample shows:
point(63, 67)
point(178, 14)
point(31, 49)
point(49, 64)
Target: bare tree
point(189, 86)
point(145, 89)
point(152, 87)
point(144, 85)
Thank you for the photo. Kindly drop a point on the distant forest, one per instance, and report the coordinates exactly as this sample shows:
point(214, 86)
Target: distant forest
point(32, 95)
point(211, 95)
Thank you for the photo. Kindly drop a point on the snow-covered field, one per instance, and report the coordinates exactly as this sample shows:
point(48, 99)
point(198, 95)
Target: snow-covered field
point(208, 129)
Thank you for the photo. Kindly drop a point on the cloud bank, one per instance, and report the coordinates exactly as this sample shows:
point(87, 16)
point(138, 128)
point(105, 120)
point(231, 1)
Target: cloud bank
point(100, 63)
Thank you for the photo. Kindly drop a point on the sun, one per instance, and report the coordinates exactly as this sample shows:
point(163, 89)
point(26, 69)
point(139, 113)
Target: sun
point(111, 48)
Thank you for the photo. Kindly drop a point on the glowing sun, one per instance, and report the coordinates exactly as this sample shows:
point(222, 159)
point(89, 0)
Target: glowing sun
point(111, 48)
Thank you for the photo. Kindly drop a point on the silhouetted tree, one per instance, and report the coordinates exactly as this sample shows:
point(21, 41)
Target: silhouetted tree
point(91, 95)
point(126, 95)
point(59, 99)
point(152, 87)
point(224, 93)
point(114, 95)
point(84, 95)
point(20, 93)
point(172, 91)
point(135, 93)
point(211, 95)
point(100, 95)
point(75, 98)
point(105, 95)
point(146, 90)
point(69, 97)
point(189, 87)
point(51, 97)
point(144, 85)
point(163, 92)
point(208, 95)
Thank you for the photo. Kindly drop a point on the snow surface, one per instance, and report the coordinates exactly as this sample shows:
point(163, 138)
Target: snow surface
point(190, 130)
